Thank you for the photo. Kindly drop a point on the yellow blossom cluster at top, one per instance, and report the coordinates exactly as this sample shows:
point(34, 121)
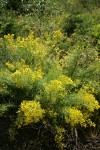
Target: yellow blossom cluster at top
point(26, 48)
point(30, 111)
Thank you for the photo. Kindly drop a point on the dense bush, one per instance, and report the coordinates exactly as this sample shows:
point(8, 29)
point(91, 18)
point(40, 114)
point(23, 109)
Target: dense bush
point(35, 80)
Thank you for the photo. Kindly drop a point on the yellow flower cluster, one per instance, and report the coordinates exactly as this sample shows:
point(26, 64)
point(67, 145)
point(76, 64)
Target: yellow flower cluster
point(9, 36)
point(58, 35)
point(31, 112)
point(66, 80)
point(39, 73)
point(56, 89)
point(10, 66)
point(20, 64)
point(55, 85)
point(89, 88)
point(59, 84)
point(26, 48)
point(74, 117)
point(24, 77)
point(88, 100)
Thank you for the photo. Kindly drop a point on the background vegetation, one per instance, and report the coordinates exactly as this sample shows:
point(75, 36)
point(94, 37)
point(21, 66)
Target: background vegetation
point(49, 74)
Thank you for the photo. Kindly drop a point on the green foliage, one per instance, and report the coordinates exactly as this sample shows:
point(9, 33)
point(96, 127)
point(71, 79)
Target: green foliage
point(8, 24)
point(4, 108)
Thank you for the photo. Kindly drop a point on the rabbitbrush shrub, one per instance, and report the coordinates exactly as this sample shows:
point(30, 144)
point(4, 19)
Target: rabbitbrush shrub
point(42, 84)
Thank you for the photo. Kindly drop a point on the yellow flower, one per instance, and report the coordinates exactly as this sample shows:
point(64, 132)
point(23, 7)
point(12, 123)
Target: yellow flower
point(39, 74)
point(88, 100)
point(58, 34)
point(65, 80)
point(32, 113)
point(23, 77)
point(55, 85)
point(74, 117)
point(10, 66)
